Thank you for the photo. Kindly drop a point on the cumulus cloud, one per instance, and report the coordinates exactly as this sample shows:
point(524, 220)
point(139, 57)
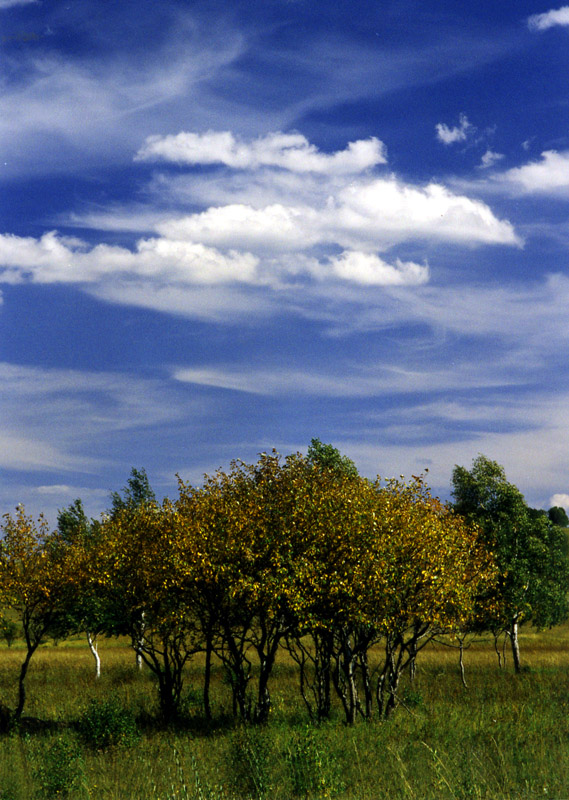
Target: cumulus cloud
point(395, 211)
point(55, 259)
point(490, 158)
point(290, 151)
point(362, 214)
point(323, 226)
point(550, 19)
point(276, 227)
point(241, 244)
point(368, 269)
point(548, 176)
point(458, 133)
point(561, 500)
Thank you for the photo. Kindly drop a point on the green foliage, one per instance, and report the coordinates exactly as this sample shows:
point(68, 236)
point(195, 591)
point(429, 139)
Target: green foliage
point(531, 552)
point(327, 457)
point(558, 516)
point(58, 768)
point(136, 492)
point(106, 724)
point(8, 631)
point(312, 773)
point(73, 524)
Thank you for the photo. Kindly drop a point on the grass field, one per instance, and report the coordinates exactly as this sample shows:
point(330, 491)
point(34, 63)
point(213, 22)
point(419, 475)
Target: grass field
point(505, 737)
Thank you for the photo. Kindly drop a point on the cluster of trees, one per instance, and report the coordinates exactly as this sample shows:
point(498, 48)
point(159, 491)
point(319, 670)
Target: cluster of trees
point(352, 577)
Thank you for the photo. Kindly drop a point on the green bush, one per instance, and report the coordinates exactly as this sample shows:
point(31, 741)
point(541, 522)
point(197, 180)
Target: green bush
point(8, 631)
point(311, 772)
point(58, 768)
point(108, 723)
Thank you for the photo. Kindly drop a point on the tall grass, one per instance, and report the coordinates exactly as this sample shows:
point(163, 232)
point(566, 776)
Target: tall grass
point(505, 738)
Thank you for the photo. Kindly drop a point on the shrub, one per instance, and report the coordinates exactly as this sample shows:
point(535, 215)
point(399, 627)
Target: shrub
point(8, 631)
point(311, 771)
point(107, 724)
point(58, 768)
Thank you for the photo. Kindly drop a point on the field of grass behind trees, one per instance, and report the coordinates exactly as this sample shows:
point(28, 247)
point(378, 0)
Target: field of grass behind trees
point(289, 629)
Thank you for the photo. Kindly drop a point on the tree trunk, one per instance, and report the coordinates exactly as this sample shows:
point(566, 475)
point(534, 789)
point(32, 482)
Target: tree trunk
point(515, 645)
point(22, 683)
point(207, 679)
point(92, 641)
point(139, 642)
point(461, 662)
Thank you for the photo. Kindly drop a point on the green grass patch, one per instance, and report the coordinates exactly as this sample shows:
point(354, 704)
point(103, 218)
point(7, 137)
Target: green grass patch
point(506, 737)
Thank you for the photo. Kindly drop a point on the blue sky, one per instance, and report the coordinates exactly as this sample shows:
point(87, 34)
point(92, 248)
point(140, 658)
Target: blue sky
point(232, 226)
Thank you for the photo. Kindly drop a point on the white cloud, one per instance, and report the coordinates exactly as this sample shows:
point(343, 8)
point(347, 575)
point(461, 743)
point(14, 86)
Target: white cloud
point(51, 419)
point(550, 19)
point(561, 500)
point(459, 133)
point(548, 176)
point(372, 380)
point(10, 3)
point(275, 227)
point(239, 243)
point(54, 259)
point(368, 269)
point(389, 211)
point(490, 158)
point(366, 214)
point(290, 151)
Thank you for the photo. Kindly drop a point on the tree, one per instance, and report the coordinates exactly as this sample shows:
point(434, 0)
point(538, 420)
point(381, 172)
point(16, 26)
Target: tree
point(530, 552)
point(327, 457)
point(137, 492)
point(558, 516)
point(88, 613)
point(142, 568)
point(390, 565)
point(37, 586)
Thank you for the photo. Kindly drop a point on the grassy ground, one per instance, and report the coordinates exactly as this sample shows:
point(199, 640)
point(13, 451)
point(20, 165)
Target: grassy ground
point(506, 737)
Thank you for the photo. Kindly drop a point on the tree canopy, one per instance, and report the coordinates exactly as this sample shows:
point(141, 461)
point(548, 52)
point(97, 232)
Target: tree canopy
point(530, 551)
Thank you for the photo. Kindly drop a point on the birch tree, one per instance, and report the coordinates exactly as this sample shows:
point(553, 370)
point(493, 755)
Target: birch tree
point(530, 552)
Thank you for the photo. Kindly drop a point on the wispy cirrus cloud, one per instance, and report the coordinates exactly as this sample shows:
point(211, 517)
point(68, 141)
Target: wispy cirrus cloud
point(369, 380)
point(51, 418)
point(4, 4)
point(549, 19)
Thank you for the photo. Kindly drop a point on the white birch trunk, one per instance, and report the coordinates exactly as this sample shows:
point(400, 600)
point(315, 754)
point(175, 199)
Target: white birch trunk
point(92, 641)
point(140, 642)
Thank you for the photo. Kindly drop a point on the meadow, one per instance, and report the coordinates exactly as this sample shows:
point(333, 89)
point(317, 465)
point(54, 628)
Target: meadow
point(505, 737)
